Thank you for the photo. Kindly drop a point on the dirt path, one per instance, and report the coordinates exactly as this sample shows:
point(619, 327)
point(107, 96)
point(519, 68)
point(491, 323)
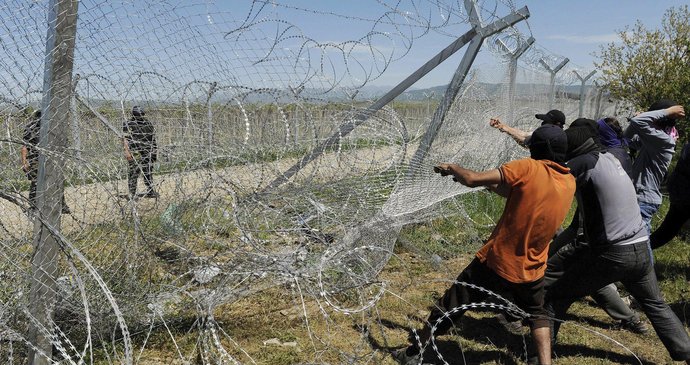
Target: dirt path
point(103, 202)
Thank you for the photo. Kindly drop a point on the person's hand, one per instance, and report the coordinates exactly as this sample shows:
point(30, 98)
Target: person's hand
point(128, 156)
point(676, 112)
point(26, 167)
point(496, 123)
point(444, 169)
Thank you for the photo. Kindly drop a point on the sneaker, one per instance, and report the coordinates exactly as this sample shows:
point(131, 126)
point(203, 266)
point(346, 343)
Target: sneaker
point(638, 326)
point(402, 358)
point(151, 194)
point(65, 209)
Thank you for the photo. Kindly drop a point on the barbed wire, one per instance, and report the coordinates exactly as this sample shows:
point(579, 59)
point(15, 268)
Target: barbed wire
point(236, 95)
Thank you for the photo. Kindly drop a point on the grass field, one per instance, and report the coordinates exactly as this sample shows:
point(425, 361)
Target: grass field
point(275, 327)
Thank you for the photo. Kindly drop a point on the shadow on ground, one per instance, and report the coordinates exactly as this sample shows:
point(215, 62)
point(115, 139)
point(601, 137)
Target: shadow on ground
point(502, 346)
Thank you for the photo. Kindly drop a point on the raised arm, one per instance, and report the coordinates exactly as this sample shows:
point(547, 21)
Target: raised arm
point(518, 135)
point(25, 159)
point(642, 124)
point(125, 145)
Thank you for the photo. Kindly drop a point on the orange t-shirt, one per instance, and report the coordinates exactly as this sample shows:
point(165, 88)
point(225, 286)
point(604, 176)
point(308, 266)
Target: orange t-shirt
point(540, 196)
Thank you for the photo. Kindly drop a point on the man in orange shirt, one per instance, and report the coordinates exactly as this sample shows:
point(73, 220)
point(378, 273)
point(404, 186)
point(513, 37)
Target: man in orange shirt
point(539, 192)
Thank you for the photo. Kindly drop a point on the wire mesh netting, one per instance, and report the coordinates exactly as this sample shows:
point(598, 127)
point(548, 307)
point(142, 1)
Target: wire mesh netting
point(211, 104)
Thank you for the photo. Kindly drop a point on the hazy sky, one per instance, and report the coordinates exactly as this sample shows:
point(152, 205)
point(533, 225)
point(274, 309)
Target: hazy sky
point(574, 29)
point(577, 29)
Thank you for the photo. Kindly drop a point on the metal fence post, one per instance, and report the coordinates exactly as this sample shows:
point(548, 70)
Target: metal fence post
point(57, 90)
point(583, 81)
point(552, 81)
point(513, 56)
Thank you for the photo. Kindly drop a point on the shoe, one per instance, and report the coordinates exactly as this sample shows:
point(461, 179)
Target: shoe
point(402, 358)
point(534, 359)
point(638, 326)
point(512, 326)
point(65, 209)
point(151, 194)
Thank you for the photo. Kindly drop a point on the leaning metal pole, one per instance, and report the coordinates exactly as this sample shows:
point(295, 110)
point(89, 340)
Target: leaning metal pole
point(471, 36)
point(482, 32)
point(57, 90)
point(362, 116)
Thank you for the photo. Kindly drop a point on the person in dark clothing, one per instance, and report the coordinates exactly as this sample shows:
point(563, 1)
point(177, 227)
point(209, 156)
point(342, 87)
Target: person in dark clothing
point(141, 151)
point(29, 153)
point(679, 194)
point(618, 244)
point(607, 134)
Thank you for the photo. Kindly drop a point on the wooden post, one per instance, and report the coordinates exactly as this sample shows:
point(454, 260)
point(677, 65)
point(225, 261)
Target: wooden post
point(55, 119)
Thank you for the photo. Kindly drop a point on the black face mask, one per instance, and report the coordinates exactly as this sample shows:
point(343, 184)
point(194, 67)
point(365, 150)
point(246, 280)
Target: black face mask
point(542, 150)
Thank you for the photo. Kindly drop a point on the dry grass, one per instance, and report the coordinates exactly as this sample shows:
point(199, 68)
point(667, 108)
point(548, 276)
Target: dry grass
point(328, 336)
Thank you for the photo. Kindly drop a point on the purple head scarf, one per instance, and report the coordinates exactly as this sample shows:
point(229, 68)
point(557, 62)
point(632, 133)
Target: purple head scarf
point(608, 136)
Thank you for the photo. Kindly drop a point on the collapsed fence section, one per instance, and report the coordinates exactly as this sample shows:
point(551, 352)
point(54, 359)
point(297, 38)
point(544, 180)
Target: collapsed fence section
point(272, 167)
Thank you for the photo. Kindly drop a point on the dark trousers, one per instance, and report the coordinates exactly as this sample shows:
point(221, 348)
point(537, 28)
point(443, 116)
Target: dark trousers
point(632, 266)
point(528, 297)
point(141, 163)
point(676, 217)
point(566, 248)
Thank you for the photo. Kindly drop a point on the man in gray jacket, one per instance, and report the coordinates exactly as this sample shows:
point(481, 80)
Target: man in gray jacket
point(618, 243)
point(651, 134)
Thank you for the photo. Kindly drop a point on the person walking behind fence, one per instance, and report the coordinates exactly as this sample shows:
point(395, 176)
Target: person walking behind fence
point(679, 195)
point(618, 244)
point(141, 151)
point(29, 153)
point(653, 135)
point(539, 192)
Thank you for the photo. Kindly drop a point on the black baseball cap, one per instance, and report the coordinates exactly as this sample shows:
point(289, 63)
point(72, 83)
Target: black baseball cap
point(555, 117)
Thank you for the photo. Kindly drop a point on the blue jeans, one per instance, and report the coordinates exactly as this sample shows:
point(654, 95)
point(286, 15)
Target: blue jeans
point(632, 266)
point(647, 210)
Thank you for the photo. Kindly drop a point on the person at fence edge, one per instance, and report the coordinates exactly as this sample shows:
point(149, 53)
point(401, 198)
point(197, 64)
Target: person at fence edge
point(539, 192)
point(679, 194)
point(29, 153)
point(653, 135)
point(618, 243)
point(141, 151)
point(555, 117)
